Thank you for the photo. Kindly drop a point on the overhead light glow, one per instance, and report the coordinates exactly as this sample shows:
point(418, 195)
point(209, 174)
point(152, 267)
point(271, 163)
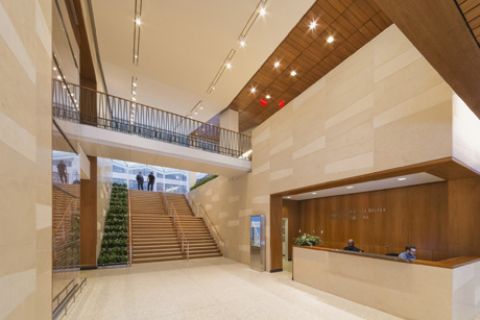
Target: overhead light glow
point(134, 84)
point(253, 90)
point(195, 113)
point(134, 99)
point(288, 197)
point(314, 193)
point(268, 96)
point(349, 187)
point(54, 68)
point(276, 64)
point(201, 108)
point(293, 73)
point(402, 179)
point(228, 65)
point(313, 25)
point(134, 92)
point(330, 39)
point(59, 77)
point(262, 11)
point(138, 21)
point(243, 43)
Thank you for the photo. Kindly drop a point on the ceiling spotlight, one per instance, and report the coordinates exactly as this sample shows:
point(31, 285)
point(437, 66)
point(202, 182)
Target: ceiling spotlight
point(134, 84)
point(402, 179)
point(262, 11)
point(313, 25)
point(134, 99)
point(288, 197)
point(59, 77)
point(201, 108)
point(314, 193)
point(138, 21)
point(253, 90)
point(228, 65)
point(54, 68)
point(268, 96)
point(293, 73)
point(243, 43)
point(330, 39)
point(276, 64)
point(134, 92)
point(349, 187)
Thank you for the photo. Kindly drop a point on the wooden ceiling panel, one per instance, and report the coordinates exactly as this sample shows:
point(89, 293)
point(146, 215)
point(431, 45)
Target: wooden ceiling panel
point(471, 12)
point(352, 22)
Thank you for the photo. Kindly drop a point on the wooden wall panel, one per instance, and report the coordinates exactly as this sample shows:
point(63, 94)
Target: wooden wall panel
point(276, 263)
point(88, 218)
point(291, 211)
point(385, 221)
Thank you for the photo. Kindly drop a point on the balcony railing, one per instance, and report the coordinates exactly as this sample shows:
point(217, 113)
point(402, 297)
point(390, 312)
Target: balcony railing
point(126, 116)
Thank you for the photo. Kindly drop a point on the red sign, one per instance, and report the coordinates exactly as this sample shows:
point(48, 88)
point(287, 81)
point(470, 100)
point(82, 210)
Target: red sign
point(281, 104)
point(263, 102)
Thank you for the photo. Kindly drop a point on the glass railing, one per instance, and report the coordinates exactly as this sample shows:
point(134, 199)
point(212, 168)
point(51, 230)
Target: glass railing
point(118, 114)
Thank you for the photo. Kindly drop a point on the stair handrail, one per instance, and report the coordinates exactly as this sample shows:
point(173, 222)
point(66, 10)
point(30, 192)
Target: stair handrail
point(200, 211)
point(185, 245)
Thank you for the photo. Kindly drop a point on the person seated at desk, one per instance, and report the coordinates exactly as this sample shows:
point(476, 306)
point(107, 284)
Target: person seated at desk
point(351, 246)
point(408, 254)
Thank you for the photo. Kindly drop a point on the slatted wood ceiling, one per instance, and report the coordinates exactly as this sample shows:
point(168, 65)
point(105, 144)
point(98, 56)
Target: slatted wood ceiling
point(471, 11)
point(352, 22)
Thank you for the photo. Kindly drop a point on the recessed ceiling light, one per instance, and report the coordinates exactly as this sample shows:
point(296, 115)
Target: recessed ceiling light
point(134, 92)
point(262, 11)
point(134, 99)
point(402, 179)
point(54, 68)
point(350, 187)
point(313, 25)
point(293, 73)
point(59, 77)
point(195, 113)
point(330, 39)
point(253, 90)
point(243, 43)
point(276, 64)
point(134, 84)
point(201, 108)
point(314, 193)
point(288, 197)
point(228, 65)
point(138, 21)
point(268, 96)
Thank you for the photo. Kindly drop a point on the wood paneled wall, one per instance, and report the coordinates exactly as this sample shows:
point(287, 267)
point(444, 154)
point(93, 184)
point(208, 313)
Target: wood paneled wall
point(441, 219)
point(88, 218)
point(291, 211)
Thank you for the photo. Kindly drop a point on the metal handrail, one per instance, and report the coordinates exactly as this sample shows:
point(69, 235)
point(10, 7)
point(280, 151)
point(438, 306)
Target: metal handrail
point(200, 211)
point(184, 243)
point(130, 117)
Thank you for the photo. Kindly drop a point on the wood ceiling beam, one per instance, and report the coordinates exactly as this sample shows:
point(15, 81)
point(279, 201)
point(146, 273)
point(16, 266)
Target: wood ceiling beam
point(439, 31)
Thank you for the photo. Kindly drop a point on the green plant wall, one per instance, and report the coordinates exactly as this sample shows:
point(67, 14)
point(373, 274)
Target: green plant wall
point(114, 248)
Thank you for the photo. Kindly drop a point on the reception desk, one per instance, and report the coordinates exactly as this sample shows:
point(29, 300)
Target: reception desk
point(448, 289)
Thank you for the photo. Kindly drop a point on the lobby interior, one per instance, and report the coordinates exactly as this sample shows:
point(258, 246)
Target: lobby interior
point(211, 159)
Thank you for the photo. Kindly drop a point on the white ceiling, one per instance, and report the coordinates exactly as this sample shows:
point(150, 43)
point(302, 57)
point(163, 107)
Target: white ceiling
point(383, 184)
point(183, 44)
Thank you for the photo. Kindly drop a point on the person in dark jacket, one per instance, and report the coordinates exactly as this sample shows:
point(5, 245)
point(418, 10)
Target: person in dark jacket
point(151, 181)
point(351, 246)
point(140, 181)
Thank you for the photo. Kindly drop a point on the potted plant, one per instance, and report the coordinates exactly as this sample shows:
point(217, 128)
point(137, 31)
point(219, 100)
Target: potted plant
point(307, 240)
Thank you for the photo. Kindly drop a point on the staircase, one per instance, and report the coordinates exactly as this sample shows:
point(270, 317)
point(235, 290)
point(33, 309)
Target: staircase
point(154, 236)
point(199, 238)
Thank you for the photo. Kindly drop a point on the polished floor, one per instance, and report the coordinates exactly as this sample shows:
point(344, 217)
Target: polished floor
point(214, 288)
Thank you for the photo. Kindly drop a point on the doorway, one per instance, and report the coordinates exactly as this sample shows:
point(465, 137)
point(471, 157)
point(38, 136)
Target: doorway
point(286, 263)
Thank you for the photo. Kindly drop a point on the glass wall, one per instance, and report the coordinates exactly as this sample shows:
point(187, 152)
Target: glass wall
point(166, 179)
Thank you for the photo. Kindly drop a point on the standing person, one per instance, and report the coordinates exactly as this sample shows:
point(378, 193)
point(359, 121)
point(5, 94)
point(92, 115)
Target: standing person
point(140, 181)
point(62, 171)
point(408, 254)
point(151, 181)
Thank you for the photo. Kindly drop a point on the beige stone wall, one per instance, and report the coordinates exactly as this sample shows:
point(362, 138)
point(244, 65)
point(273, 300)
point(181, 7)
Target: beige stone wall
point(25, 157)
point(383, 107)
point(104, 189)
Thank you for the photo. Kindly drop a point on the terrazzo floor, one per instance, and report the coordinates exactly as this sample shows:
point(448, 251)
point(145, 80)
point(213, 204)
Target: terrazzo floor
point(214, 288)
